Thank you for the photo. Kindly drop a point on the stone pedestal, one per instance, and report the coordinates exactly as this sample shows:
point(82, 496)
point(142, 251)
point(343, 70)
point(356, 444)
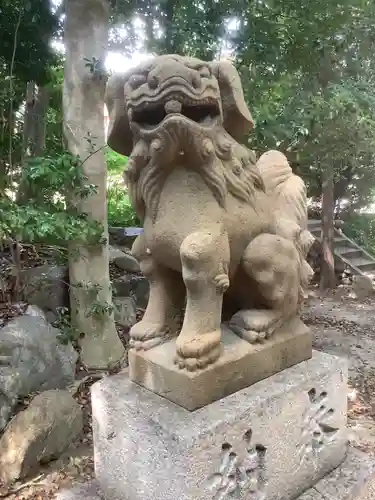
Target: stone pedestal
point(271, 441)
point(241, 365)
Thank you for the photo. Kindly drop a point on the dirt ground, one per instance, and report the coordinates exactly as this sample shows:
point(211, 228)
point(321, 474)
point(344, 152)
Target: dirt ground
point(341, 325)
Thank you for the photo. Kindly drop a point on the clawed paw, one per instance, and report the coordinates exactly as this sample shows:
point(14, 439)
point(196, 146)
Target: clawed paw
point(196, 351)
point(255, 326)
point(250, 336)
point(221, 282)
point(145, 345)
point(194, 364)
point(145, 336)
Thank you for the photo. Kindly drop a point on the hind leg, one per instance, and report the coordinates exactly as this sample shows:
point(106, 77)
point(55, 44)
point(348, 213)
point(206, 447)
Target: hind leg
point(274, 264)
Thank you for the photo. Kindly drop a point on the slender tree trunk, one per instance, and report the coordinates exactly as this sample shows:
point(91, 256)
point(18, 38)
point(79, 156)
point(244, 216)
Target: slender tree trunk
point(34, 130)
point(86, 36)
point(28, 121)
point(39, 128)
point(327, 274)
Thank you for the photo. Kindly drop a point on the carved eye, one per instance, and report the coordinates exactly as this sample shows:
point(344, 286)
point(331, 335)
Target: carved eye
point(205, 72)
point(136, 81)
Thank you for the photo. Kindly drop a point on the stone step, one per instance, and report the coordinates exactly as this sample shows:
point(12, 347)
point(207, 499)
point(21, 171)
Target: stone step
point(341, 241)
point(363, 264)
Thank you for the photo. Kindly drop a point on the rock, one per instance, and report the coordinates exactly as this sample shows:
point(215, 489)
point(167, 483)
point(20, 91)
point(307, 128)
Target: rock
point(114, 253)
point(140, 290)
point(39, 434)
point(46, 286)
point(363, 286)
point(127, 262)
point(122, 286)
point(32, 358)
point(125, 311)
point(123, 260)
point(124, 236)
point(134, 286)
point(35, 311)
point(10, 388)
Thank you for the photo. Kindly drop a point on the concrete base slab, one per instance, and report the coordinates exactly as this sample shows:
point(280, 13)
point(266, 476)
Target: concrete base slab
point(348, 482)
point(352, 480)
point(84, 491)
point(270, 441)
point(241, 365)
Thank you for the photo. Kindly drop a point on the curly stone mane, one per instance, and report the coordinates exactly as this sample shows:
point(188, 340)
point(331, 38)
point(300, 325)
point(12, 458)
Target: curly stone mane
point(224, 165)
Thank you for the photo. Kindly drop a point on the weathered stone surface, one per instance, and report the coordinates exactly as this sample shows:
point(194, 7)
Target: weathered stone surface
point(123, 260)
point(46, 286)
point(223, 230)
point(240, 366)
point(48, 426)
point(284, 434)
point(363, 286)
point(10, 388)
point(86, 491)
point(125, 311)
point(141, 290)
point(122, 286)
point(135, 286)
point(349, 478)
point(114, 253)
point(123, 236)
point(32, 358)
point(35, 311)
point(352, 480)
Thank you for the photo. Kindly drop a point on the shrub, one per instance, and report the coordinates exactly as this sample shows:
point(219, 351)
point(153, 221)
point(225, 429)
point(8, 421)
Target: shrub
point(120, 210)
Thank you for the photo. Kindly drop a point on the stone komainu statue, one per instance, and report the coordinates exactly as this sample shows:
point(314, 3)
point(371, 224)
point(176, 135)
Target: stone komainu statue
point(225, 236)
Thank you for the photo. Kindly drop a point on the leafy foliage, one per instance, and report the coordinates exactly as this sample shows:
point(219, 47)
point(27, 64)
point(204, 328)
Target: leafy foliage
point(48, 216)
point(307, 71)
point(361, 228)
point(26, 29)
point(120, 210)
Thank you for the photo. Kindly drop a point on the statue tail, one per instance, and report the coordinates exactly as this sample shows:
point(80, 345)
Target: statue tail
point(289, 195)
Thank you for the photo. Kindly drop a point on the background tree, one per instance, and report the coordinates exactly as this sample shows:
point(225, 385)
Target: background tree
point(84, 86)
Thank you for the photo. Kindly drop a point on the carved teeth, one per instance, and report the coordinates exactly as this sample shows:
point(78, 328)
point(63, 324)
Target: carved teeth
point(173, 107)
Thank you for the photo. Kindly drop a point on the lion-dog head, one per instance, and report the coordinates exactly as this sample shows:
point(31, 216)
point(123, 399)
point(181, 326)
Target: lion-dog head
point(174, 110)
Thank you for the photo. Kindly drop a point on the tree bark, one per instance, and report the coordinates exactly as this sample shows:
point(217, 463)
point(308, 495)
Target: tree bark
point(39, 128)
point(86, 36)
point(327, 275)
point(28, 121)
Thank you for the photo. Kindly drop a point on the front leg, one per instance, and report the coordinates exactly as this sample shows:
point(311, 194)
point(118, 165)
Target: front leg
point(205, 262)
point(162, 317)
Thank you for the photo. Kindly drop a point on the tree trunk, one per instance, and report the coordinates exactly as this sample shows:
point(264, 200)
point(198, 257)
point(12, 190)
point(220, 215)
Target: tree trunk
point(327, 274)
point(39, 116)
point(28, 121)
point(86, 36)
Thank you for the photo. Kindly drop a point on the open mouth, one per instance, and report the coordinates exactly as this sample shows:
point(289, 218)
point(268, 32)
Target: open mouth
point(203, 112)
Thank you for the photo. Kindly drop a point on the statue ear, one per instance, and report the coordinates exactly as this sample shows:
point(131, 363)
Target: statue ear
point(120, 137)
point(237, 118)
